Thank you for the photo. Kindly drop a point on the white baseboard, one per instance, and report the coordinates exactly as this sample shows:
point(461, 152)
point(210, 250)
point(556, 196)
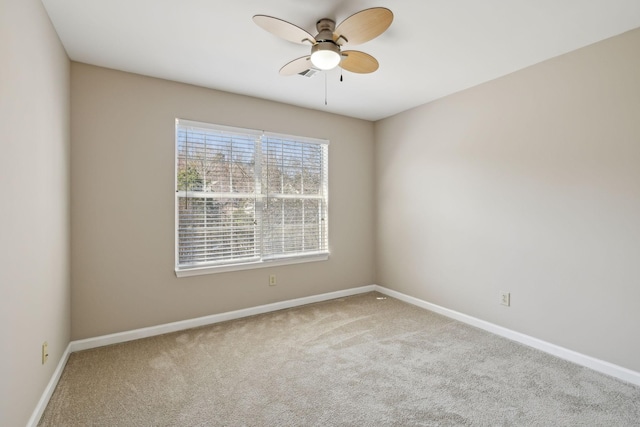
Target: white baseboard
point(209, 320)
point(598, 365)
point(48, 391)
point(607, 368)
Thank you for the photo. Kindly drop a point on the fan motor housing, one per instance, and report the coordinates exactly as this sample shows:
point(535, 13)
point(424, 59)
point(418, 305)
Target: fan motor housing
point(325, 28)
point(325, 45)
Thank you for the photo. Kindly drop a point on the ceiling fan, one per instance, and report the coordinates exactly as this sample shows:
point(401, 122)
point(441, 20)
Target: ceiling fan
point(326, 46)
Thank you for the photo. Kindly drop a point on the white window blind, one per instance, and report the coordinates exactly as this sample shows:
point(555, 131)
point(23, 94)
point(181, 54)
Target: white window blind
point(245, 198)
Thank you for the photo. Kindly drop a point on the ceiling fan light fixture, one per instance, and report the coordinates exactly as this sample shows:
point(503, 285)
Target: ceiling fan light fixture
point(325, 55)
point(326, 46)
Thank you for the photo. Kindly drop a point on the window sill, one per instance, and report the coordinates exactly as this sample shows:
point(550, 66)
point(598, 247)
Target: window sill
point(212, 269)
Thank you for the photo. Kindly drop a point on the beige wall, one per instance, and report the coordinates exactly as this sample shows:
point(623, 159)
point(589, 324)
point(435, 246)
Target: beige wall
point(529, 184)
point(122, 168)
point(34, 208)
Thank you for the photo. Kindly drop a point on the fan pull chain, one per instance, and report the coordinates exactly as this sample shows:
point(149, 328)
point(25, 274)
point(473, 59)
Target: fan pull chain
point(325, 88)
point(340, 75)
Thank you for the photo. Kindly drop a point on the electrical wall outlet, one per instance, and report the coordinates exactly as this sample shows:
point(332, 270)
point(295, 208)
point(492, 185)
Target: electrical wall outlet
point(45, 352)
point(272, 280)
point(505, 298)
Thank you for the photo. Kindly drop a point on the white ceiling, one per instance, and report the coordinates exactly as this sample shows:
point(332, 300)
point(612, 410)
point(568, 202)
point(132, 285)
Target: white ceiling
point(433, 47)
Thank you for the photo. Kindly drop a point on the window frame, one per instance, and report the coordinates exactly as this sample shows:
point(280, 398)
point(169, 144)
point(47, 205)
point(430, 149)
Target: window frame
point(261, 262)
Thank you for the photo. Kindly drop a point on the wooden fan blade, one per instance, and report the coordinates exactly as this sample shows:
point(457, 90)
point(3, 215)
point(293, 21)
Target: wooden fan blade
point(358, 62)
point(284, 29)
point(296, 66)
point(363, 26)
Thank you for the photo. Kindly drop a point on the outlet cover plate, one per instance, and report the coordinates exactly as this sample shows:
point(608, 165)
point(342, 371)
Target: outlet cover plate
point(45, 352)
point(505, 298)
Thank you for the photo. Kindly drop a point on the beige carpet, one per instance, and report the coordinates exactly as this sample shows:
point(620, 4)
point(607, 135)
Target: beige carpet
point(366, 360)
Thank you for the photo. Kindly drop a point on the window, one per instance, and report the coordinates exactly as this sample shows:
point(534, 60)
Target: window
point(246, 198)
